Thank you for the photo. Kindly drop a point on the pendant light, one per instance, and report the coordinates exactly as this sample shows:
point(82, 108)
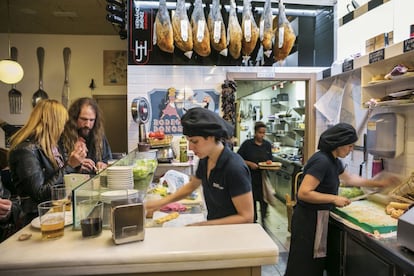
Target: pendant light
point(10, 71)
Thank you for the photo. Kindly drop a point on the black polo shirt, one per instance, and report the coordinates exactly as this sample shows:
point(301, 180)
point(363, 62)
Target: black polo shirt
point(230, 178)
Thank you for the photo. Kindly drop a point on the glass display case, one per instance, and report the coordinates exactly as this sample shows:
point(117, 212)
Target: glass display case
point(126, 179)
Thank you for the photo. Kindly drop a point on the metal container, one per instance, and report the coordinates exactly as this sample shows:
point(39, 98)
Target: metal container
point(127, 222)
point(165, 155)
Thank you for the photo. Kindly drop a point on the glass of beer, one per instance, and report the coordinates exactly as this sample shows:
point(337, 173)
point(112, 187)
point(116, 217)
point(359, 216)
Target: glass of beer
point(61, 194)
point(52, 219)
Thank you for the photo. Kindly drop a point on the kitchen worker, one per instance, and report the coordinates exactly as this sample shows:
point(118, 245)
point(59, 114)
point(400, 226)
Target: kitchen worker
point(223, 175)
point(84, 137)
point(253, 151)
point(318, 194)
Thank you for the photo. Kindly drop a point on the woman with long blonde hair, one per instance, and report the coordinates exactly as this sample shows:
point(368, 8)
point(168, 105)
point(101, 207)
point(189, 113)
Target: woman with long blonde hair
point(35, 160)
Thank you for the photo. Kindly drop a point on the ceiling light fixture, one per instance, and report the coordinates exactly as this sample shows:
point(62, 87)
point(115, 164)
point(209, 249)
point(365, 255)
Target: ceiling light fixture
point(10, 71)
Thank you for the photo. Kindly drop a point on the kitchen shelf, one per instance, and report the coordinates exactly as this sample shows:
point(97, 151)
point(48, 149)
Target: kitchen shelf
point(365, 72)
point(299, 131)
point(394, 55)
point(299, 110)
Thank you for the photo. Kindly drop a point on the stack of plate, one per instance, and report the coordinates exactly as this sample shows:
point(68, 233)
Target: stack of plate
point(120, 177)
point(118, 194)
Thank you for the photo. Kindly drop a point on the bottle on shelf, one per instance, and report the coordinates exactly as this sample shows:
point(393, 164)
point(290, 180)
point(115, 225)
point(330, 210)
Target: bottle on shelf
point(183, 149)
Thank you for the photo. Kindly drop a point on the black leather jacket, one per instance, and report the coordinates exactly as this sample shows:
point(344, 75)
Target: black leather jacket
point(32, 175)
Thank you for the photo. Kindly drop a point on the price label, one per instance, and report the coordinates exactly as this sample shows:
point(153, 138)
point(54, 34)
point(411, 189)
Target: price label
point(376, 56)
point(408, 44)
point(348, 65)
point(326, 73)
point(266, 75)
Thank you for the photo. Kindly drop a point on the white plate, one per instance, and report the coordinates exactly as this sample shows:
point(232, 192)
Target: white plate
point(86, 193)
point(117, 194)
point(68, 220)
point(119, 168)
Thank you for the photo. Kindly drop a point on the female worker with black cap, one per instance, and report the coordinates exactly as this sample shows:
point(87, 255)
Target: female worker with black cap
point(224, 176)
point(317, 195)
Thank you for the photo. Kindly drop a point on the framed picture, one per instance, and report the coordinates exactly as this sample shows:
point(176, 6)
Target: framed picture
point(115, 67)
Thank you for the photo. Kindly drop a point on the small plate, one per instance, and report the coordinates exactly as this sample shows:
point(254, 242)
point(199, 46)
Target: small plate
point(117, 194)
point(68, 220)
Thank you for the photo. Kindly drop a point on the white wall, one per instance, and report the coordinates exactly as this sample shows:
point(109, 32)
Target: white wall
point(142, 79)
point(395, 15)
point(86, 63)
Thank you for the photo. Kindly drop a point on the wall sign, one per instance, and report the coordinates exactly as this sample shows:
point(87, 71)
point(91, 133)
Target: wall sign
point(348, 65)
point(168, 105)
point(409, 44)
point(376, 56)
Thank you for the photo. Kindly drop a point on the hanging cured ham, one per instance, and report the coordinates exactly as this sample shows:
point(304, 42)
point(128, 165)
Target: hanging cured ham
point(285, 36)
point(201, 36)
point(249, 28)
point(217, 29)
point(234, 32)
point(163, 29)
point(266, 27)
point(183, 36)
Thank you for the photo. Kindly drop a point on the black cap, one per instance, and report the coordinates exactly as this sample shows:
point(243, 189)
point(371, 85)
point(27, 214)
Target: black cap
point(339, 135)
point(200, 121)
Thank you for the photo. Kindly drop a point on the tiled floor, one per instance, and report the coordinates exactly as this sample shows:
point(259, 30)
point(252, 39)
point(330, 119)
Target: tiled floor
point(276, 225)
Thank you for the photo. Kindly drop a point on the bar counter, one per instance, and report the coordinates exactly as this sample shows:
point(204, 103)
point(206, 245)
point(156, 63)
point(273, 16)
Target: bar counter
point(199, 250)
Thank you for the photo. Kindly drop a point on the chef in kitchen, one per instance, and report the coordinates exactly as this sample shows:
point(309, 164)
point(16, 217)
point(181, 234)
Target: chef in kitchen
point(224, 176)
point(318, 194)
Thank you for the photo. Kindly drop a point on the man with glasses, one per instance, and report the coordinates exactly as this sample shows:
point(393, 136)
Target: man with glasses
point(84, 137)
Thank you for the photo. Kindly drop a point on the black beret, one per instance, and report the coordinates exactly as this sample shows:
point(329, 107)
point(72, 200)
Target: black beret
point(339, 135)
point(200, 121)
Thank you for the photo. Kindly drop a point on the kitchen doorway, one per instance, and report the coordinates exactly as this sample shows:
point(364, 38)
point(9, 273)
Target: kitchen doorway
point(249, 83)
point(114, 108)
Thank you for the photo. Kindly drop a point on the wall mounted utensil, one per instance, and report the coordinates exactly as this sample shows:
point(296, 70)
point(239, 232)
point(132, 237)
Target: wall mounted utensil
point(40, 94)
point(15, 96)
point(66, 89)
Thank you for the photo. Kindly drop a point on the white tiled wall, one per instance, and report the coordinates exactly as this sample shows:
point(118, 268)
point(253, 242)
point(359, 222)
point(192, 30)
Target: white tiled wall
point(402, 165)
point(142, 79)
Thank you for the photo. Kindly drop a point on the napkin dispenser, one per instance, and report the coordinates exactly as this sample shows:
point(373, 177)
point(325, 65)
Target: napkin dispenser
point(405, 229)
point(127, 221)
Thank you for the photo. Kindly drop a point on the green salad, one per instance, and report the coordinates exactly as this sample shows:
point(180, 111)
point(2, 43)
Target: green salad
point(350, 192)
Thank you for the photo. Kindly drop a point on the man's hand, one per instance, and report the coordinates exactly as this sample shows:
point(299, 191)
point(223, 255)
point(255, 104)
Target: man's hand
point(88, 166)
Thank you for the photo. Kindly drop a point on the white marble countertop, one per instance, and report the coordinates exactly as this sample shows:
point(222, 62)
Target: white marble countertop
point(163, 249)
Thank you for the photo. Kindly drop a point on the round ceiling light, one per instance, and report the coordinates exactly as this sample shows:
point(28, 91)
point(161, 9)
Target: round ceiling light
point(10, 71)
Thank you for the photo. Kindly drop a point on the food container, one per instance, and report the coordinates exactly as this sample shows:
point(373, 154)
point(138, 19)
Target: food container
point(165, 155)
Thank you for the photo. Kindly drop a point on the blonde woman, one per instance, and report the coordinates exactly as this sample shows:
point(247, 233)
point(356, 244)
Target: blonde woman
point(35, 160)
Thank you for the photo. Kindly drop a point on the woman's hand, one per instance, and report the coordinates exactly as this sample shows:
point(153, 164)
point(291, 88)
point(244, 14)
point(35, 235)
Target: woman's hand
point(5, 208)
point(253, 165)
point(341, 201)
